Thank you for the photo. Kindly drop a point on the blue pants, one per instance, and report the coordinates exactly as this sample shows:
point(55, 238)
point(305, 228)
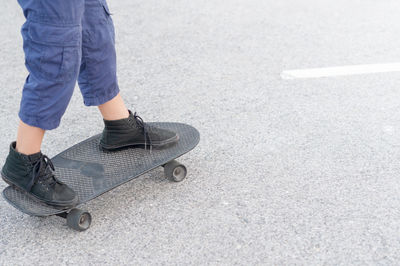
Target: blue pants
point(65, 41)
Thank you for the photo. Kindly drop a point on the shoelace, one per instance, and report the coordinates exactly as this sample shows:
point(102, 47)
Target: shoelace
point(40, 170)
point(139, 121)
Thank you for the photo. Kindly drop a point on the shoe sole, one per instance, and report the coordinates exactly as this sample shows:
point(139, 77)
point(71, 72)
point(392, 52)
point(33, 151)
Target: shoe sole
point(141, 144)
point(33, 196)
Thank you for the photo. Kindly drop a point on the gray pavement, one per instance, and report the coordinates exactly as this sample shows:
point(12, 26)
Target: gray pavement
point(287, 172)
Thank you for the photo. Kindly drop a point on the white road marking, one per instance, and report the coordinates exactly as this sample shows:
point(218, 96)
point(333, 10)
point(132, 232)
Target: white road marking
point(339, 71)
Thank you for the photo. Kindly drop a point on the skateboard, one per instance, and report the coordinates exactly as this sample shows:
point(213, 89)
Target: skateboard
point(90, 172)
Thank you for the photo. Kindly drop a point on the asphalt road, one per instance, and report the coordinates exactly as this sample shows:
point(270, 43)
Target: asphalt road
point(287, 171)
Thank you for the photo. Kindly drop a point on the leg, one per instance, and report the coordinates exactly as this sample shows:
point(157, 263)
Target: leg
point(114, 109)
point(99, 86)
point(97, 77)
point(29, 139)
point(52, 45)
point(52, 40)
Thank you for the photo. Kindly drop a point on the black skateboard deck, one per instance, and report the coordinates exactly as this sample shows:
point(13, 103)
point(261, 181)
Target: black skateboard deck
point(90, 172)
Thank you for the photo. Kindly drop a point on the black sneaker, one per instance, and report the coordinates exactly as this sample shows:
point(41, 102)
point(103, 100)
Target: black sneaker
point(132, 131)
point(34, 174)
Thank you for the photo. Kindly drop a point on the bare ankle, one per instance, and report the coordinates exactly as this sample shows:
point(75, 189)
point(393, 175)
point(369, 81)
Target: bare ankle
point(29, 139)
point(114, 109)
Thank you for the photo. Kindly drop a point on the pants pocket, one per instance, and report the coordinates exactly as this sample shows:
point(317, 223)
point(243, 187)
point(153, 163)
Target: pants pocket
point(106, 9)
point(53, 51)
point(110, 23)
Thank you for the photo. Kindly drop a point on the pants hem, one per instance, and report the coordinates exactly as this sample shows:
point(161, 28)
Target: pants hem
point(44, 124)
point(101, 99)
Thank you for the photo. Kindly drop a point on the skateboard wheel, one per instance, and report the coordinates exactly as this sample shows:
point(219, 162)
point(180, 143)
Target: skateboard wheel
point(175, 171)
point(79, 220)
